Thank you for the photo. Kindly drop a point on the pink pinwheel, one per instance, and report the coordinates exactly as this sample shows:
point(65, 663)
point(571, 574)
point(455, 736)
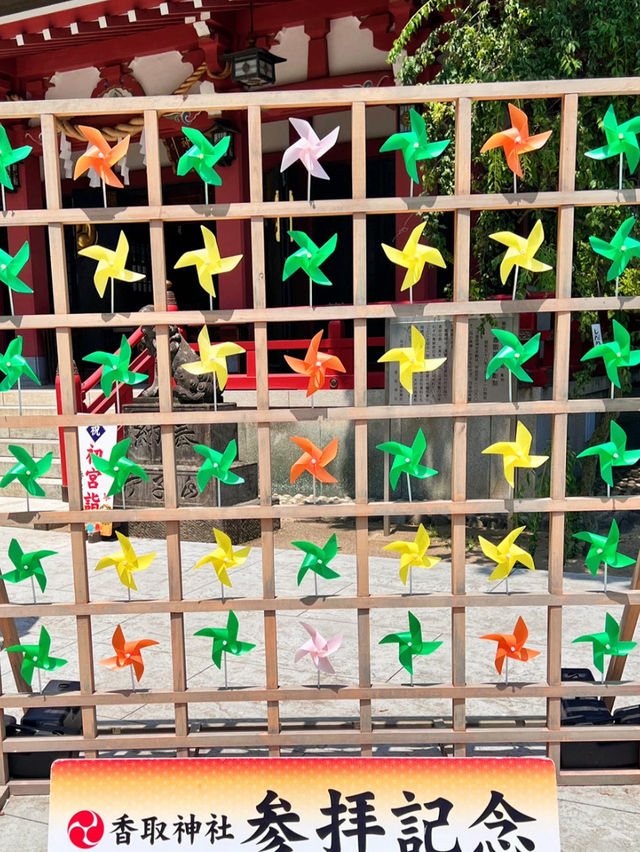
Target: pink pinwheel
point(309, 148)
point(319, 648)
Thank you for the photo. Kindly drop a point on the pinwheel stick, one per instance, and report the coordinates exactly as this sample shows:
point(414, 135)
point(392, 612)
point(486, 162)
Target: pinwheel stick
point(619, 178)
point(606, 568)
point(226, 680)
point(409, 487)
point(206, 193)
point(515, 283)
point(33, 595)
point(215, 380)
point(4, 200)
point(506, 671)
point(104, 193)
point(221, 591)
point(133, 683)
point(315, 587)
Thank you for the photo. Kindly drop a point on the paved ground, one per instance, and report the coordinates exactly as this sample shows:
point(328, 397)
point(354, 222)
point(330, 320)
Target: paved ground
point(591, 818)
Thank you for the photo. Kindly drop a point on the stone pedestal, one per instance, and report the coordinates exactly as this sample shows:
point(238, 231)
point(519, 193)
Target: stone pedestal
point(146, 450)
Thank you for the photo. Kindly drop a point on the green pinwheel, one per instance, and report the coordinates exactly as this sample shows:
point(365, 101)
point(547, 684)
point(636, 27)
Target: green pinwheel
point(620, 250)
point(14, 365)
point(410, 643)
point(414, 145)
point(513, 354)
point(218, 465)
point(621, 139)
point(27, 470)
point(317, 558)
point(115, 368)
point(27, 565)
point(616, 354)
point(37, 656)
point(607, 644)
point(9, 156)
point(118, 466)
point(11, 267)
point(202, 156)
point(225, 640)
point(407, 459)
point(309, 257)
point(613, 453)
point(604, 550)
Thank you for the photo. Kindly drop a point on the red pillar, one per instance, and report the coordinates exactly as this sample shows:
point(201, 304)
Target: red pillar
point(235, 287)
point(34, 273)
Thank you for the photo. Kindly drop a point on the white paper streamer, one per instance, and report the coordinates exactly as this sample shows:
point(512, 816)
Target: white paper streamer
point(94, 179)
point(124, 170)
point(143, 148)
point(66, 155)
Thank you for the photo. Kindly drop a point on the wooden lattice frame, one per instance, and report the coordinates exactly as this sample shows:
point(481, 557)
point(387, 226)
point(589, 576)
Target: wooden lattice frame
point(358, 206)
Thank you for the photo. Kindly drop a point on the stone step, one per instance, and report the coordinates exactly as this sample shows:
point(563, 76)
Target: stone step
point(7, 462)
point(38, 447)
point(52, 489)
point(28, 410)
point(48, 433)
point(30, 396)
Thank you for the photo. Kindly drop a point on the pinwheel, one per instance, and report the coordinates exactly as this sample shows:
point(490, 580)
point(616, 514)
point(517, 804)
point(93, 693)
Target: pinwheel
point(10, 269)
point(111, 265)
point(511, 646)
point(317, 559)
point(27, 565)
point(115, 367)
point(99, 156)
point(413, 257)
point(613, 453)
point(414, 145)
point(309, 257)
point(27, 470)
point(513, 354)
point(413, 554)
point(225, 641)
point(516, 140)
point(410, 644)
point(37, 656)
point(127, 653)
point(607, 644)
point(621, 140)
point(9, 156)
point(407, 460)
point(315, 365)
point(516, 453)
point(411, 360)
point(208, 262)
point(118, 466)
point(520, 253)
point(604, 549)
point(506, 555)
point(620, 250)
point(223, 558)
point(14, 365)
point(217, 465)
point(126, 561)
point(313, 460)
point(318, 648)
point(309, 148)
point(616, 354)
point(202, 156)
point(213, 359)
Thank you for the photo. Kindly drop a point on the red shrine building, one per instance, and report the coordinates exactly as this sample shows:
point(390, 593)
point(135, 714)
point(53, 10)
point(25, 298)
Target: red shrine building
point(66, 49)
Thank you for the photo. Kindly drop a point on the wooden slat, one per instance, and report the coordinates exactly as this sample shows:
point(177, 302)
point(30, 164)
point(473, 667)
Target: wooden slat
point(628, 624)
point(165, 402)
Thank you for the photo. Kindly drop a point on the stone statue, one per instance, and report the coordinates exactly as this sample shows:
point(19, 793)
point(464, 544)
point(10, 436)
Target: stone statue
point(189, 388)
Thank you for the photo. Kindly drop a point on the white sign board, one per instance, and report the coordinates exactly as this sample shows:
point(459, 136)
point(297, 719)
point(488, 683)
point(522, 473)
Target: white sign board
point(100, 441)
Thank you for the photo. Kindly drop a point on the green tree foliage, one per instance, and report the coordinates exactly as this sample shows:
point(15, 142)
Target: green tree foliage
point(504, 40)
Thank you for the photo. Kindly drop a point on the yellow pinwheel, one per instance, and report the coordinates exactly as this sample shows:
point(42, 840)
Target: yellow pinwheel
point(411, 360)
point(224, 557)
point(521, 251)
point(506, 554)
point(126, 562)
point(413, 257)
point(413, 554)
point(213, 359)
point(111, 264)
point(207, 261)
point(516, 453)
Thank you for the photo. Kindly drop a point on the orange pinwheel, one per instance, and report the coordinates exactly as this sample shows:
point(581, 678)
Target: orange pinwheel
point(313, 459)
point(127, 653)
point(315, 365)
point(512, 645)
point(516, 140)
point(99, 156)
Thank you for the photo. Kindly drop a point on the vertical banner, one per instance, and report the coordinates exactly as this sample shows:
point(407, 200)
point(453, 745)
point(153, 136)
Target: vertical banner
point(286, 804)
point(100, 441)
